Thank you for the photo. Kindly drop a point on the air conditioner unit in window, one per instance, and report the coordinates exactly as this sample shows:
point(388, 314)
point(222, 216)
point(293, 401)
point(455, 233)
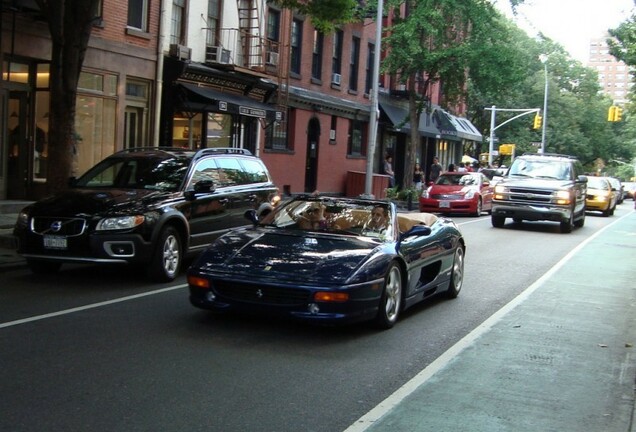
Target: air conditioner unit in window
point(332, 135)
point(181, 52)
point(272, 58)
point(217, 54)
point(335, 79)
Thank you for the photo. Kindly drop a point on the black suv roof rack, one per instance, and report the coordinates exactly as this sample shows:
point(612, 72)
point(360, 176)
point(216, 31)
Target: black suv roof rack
point(178, 150)
point(223, 150)
point(551, 154)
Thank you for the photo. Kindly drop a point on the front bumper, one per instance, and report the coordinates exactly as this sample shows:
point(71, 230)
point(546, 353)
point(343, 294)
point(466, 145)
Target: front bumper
point(532, 212)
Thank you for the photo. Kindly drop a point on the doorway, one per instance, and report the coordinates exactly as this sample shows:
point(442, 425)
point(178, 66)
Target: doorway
point(18, 153)
point(311, 163)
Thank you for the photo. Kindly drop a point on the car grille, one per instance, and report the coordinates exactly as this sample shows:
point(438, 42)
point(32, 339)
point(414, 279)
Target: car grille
point(531, 195)
point(262, 294)
point(58, 226)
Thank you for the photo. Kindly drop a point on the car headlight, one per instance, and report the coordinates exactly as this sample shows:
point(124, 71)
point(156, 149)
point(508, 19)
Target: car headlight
point(563, 197)
point(120, 222)
point(425, 192)
point(470, 194)
point(23, 218)
point(500, 189)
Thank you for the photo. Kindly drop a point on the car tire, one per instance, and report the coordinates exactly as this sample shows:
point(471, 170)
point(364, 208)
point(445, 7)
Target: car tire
point(43, 267)
point(479, 208)
point(567, 226)
point(457, 274)
point(580, 222)
point(391, 300)
point(497, 221)
point(166, 260)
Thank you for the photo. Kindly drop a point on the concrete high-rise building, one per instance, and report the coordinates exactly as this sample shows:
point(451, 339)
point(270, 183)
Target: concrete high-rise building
point(613, 75)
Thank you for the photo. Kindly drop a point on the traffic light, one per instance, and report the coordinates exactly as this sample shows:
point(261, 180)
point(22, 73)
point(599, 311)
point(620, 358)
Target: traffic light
point(537, 121)
point(615, 114)
point(618, 114)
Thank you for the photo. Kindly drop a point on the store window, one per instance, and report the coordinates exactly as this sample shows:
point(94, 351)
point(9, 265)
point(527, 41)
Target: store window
point(219, 130)
point(41, 141)
point(95, 120)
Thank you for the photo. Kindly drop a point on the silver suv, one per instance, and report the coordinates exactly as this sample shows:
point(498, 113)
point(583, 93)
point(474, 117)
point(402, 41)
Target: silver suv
point(542, 187)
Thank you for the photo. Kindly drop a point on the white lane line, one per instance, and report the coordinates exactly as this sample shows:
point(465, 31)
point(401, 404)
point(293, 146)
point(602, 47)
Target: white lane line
point(89, 306)
point(367, 420)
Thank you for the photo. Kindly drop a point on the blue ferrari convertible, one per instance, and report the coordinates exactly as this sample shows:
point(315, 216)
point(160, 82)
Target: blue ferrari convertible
point(330, 260)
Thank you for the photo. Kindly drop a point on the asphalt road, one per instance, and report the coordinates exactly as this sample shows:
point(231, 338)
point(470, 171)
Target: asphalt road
point(101, 349)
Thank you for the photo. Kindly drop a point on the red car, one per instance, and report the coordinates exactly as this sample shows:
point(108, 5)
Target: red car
point(458, 192)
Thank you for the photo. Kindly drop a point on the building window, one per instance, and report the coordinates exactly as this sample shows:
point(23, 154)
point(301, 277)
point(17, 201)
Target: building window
point(355, 138)
point(136, 113)
point(177, 22)
point(353, 66)
point(138, 14)
point(296, 43)
point(214, 16)
point(336, 61)
point(332, 131)
point(316, 61)
point(273, 25)
point(369, 79)
point(95, 120)
point(276, 134)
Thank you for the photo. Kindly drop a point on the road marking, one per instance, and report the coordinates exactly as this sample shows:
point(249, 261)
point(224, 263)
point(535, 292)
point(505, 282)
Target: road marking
point(89, 306)
point(384, 407)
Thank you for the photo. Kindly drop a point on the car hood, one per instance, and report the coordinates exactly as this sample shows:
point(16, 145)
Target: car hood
point(452, 189)
point(287, 255)
point(97, 202)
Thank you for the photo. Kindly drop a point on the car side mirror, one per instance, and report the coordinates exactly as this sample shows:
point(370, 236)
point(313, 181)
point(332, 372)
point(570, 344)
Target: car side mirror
point(581, 179)
point(251, 216)
point(204, 186)
point(416, 230)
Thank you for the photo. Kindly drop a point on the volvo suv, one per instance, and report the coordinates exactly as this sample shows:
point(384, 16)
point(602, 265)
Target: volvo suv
point(147, 206)
point(541, 187)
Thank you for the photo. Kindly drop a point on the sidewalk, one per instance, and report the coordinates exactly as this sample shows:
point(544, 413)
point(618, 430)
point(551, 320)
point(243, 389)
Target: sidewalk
point(561, 357)
point(9, 259)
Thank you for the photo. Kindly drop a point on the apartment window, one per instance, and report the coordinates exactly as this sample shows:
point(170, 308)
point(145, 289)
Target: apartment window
point(368, 84)
point(214, 16)
point(355, 138)
point(316, 61)
point(273, 25)
point(138, 14)
point(353, 66)
point(296, 43)
point(177, 22)
point(336, 62)
point(276, 134)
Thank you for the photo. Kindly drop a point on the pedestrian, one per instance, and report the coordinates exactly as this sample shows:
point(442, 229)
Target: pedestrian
point(436, 170)
point(451, 167)
point(388, 170)
point(462, 167)
point(417, 176)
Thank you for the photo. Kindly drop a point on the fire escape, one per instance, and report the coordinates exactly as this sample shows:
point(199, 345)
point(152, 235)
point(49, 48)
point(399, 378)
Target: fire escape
point(247, 49)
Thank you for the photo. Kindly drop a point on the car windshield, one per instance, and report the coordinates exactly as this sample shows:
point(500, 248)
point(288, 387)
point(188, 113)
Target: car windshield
point(597, 183)
point(549, 169)
point(458, 179)
point(154, 173)
point(334, 216)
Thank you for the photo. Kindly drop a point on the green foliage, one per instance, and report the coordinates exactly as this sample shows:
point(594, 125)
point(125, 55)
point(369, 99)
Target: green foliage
point(325, 14)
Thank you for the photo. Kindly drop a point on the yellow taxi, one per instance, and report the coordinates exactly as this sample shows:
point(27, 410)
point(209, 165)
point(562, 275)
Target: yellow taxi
point(600, 196)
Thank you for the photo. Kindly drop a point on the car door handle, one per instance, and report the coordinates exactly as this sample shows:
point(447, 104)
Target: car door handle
point(224, 201)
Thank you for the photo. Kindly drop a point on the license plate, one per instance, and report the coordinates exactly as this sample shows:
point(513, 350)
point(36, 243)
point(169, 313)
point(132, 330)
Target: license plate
point(444, 204)
point(55, 242)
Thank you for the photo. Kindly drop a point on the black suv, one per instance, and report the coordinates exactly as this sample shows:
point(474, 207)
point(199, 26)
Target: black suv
point(149, 206)
point(542, 187)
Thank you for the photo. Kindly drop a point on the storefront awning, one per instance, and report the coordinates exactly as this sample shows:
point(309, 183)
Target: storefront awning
point(399, 116)
point(453, 127)
point(195, 98)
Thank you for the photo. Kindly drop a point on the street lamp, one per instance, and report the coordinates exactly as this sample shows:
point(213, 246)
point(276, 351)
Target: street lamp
point(544, 60)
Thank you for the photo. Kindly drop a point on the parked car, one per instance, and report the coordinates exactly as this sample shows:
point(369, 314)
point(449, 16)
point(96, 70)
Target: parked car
point(458, 192)
point(617, 186)
point(331, 260)
point(144, 206)
point(601, 196)
point(630, 190)
point(540, 187)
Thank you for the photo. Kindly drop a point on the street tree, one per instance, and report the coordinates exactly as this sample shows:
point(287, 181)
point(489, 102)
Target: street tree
point(325, 14)
point(434, 43)
point(70, 23)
